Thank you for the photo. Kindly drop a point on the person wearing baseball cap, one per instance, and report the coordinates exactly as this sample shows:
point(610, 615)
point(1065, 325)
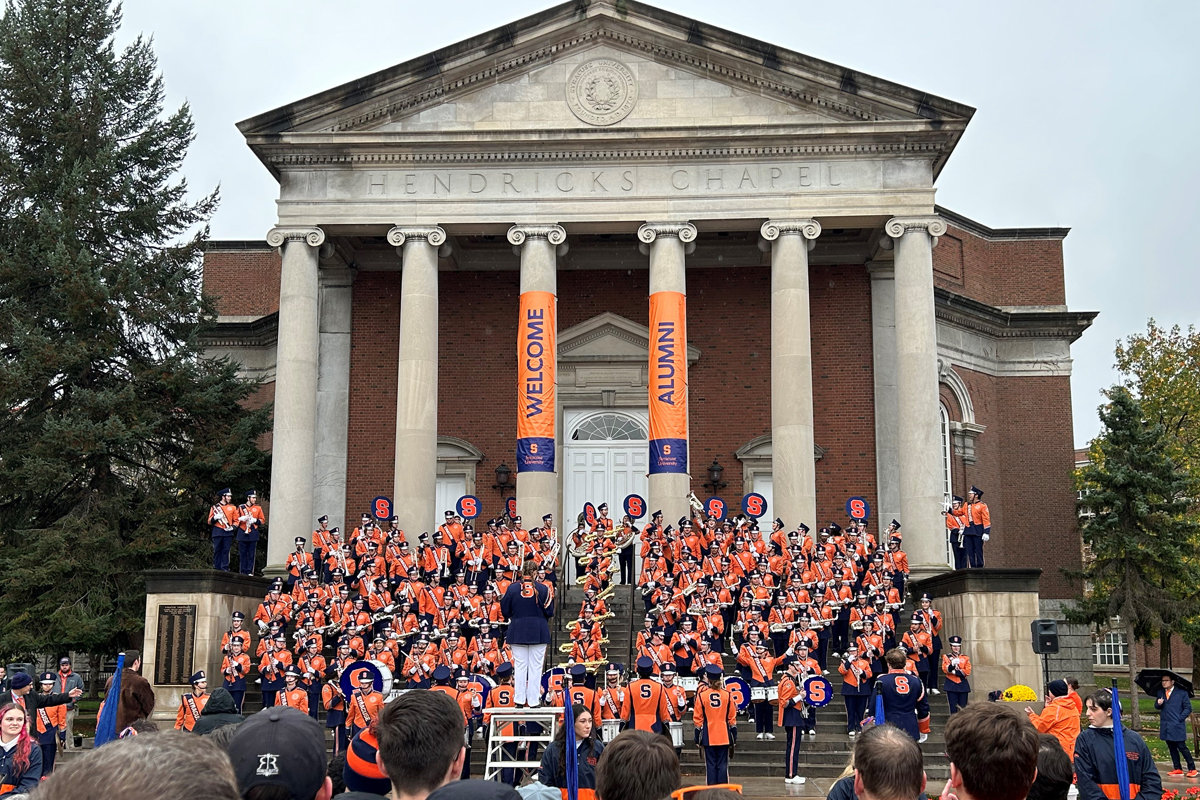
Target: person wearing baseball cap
point(282, 747)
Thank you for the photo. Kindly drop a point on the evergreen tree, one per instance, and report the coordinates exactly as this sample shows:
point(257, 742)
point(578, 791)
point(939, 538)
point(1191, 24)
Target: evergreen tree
point(115, 430)
point(1136, 527)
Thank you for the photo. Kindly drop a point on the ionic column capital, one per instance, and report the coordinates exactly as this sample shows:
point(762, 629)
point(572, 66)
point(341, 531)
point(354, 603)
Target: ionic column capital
point(313, 237)
point(934, 225)
point(555, 234)
point(772, 229)
point(683, 231)
point(433, 234)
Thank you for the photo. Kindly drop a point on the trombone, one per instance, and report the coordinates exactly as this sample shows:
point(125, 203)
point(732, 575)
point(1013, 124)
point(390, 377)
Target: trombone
point(566, 648)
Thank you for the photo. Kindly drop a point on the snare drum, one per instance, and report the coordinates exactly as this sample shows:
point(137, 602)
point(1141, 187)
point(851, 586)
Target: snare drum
point(609, 729)
point(676, 729)
point(758, 694)
point(772, 694)
point(690, 685)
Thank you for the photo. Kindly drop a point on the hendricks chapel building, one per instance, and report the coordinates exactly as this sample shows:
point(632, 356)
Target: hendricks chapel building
point(608, 250)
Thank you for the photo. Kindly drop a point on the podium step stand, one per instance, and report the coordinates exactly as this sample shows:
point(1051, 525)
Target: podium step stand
point(549, 717)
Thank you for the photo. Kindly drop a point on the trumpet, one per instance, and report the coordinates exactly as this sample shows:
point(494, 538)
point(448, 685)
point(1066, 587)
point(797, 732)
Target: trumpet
point(590, 665)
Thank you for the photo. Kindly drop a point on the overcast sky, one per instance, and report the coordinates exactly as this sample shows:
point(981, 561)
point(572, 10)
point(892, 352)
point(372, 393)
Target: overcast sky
point(1085, 114)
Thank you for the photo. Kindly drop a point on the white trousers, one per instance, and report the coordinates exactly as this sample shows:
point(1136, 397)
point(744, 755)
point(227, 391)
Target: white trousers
point(527, 673)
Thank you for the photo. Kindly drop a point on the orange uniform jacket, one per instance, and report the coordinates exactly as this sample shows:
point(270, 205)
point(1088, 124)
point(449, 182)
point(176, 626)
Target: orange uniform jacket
point(964, 665)
point(189, 712)
point(296, 698)
point(363, 709)
point(715, 713)
point(53, 716)
point(1059, 718)
point(503, 696)
point(610, 703)
point(645, 704)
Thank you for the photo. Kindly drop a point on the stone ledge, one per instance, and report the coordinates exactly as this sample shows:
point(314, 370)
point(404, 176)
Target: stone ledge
point(978, 580)
point(209, 581)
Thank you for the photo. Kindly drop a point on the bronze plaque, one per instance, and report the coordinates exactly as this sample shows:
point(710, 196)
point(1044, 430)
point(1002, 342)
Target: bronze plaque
point(176, 646)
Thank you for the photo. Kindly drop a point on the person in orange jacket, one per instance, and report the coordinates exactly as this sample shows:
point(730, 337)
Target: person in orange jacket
point(645, 701)
point(192, 703)
point(365, 704)
point(715, 718)
point(293, 694)
point(956, 667)
point(49, 721)
point(1059, 717)
point(979, 527)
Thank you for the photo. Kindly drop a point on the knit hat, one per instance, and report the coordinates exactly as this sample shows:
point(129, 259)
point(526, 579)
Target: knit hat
point(21, 679)
point(362, 773)
point(1057, 688)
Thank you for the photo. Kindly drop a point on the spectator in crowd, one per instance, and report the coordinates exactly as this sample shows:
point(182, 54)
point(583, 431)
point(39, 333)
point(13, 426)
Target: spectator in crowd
point(279, 754)
point(637, 765)
point(219, 711)
point(993, 753)
point(20, 756)
point(421, 751)
point(173, 765)
point(553, 771)
point(888, 765)
point(65, 680)
point(1054, 773)
point(1073, 693)
point(3, 678)
point(1174, 708)
point(361, 771)
point(223, 735)
point(1059, 716)
point(21, 693)
point(137, 698)
point(716, 793)
point(1096, 764)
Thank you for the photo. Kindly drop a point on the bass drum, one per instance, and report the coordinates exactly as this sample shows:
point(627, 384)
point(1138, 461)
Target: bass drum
point(740, 691)
point(552, 679)
point(349, 680)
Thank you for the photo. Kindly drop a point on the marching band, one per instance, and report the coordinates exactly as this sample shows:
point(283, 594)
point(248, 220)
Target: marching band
point(787, 607)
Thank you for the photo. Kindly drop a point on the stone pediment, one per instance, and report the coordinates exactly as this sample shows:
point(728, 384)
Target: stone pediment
point(594, 68)
point(609, 337)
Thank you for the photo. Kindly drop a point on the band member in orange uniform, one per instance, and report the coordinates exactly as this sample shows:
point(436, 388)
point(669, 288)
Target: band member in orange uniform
point(645, 701)
point(715, 718)
point(365, 704)
point(293, 695)
point(192, 703)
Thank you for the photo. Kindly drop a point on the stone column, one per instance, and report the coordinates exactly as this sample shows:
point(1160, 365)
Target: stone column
point(416, 390)
point(887, 410)
point(917, 393)
point(294, 438)
point(333, 397)
point(667, 244)
point(537, 371)
point(793, 451)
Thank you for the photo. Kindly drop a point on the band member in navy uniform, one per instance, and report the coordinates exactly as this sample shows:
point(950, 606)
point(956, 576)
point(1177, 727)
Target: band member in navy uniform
point(979, 527)
point(250, 521)
point(223, 519)
point(955, 528)
point(527, 605)
point(904, 702)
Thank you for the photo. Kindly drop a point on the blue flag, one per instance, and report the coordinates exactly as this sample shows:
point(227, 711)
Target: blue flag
point(106, 725)
point(571, 754)
point(1119, 743)
point(879, 720)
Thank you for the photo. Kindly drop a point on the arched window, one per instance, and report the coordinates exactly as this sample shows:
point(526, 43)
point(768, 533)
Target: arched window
point(947, 486)
point(947, 490)
point(609, 428)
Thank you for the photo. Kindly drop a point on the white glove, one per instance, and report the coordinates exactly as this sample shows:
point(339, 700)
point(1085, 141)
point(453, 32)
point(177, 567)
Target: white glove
point(986, 537)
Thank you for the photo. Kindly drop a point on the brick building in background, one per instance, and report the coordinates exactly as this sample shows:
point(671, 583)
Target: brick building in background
point(705, 126)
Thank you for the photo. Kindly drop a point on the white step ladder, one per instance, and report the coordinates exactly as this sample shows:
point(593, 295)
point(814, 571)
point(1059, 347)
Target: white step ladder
point(549, 717)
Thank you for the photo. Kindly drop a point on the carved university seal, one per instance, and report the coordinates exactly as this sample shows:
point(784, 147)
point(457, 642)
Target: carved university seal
point(601, 92)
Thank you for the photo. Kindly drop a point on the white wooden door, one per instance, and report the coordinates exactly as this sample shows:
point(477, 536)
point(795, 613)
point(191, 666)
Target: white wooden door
point(763, 484)
point(447, 490)
point(607, 456)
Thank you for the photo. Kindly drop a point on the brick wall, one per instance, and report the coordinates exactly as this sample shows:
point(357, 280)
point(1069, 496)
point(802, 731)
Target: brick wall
point(244, 281)
point(1000, 273)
